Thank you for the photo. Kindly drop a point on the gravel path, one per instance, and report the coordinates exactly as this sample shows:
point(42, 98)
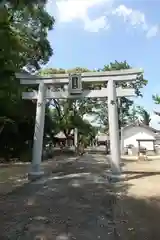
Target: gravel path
point(75, 203)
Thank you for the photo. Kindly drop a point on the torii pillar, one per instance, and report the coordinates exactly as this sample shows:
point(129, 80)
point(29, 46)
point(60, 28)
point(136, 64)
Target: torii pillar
point(76, 139)
point(35, 171)
point(113, 130)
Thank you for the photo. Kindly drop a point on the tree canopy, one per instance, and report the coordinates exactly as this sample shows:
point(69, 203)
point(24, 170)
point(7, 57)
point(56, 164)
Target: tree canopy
point(23, 32)
point(24, 26)
point(124, 104)
point(156, 99)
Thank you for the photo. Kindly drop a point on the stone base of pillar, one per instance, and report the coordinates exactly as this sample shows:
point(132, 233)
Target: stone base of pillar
point(116, 177)
point(33, 176)
point(75, 149)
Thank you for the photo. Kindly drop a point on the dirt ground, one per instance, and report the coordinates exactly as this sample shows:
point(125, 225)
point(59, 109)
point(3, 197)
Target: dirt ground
point(15, 175)
point(140, 201)
point(77, 202)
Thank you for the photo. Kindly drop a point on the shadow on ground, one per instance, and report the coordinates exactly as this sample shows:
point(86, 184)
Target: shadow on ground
point(77, 202)
point(138, 214)
point(139, 218)
point(15, 174)
point(140, 174)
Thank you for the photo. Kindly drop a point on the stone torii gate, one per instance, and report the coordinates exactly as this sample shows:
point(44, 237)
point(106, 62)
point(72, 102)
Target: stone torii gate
point(75, 91)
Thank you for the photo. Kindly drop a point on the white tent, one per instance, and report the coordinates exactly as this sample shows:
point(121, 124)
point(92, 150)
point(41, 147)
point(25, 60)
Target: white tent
point(60, 135)
point(102, 137)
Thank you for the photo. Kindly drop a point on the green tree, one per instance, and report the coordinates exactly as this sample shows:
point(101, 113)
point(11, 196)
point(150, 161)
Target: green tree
point(23, 33)
point(156, 99)
point(145, 117)
point(133, 115)
point(124, 104)
point(70, 113)
point(139, 114)
point(24, 36)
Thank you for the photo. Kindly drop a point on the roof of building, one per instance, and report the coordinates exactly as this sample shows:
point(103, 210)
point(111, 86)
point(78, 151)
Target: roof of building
point(146, 140)
point(141, 125)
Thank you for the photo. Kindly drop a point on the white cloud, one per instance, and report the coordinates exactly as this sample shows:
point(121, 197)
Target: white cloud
point(96, 24)
point(131, 16)
point(78, 10)
point(136, 19)
point(153, 31)
point(70, 10)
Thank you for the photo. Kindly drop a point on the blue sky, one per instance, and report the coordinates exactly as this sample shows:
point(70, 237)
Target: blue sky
point(92, 33)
